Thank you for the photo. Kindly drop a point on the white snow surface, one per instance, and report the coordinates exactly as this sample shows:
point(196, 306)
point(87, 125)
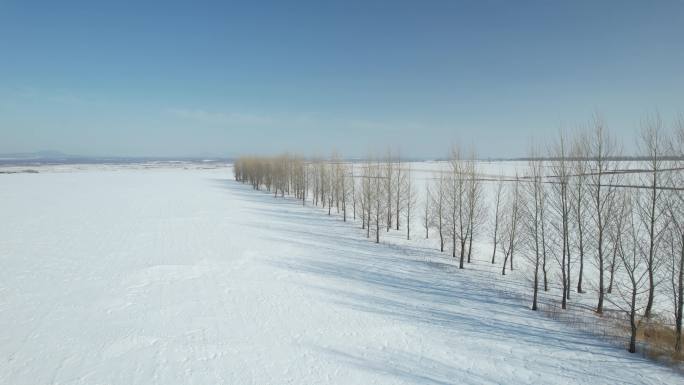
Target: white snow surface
point(183, 276)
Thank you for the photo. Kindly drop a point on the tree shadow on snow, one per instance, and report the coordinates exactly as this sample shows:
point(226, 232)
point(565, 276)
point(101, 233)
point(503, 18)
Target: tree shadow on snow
point(406, 284)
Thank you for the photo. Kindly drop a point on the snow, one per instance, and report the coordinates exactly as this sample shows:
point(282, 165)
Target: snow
point(180, 275)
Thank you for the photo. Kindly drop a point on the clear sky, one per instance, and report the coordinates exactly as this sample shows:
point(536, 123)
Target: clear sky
point(196, 78)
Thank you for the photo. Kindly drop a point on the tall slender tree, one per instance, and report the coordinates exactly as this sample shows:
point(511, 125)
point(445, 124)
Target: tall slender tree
point(560, 173)
point(650, 207)
point(497, 216)
point(578, 198)
point(410, 197)
point(604, 181)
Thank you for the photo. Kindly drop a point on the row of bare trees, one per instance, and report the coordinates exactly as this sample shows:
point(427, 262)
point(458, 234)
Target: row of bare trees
point(454, 206)
point(575, 204)
point(282, 174)
point(381, 192)
point(582, 205)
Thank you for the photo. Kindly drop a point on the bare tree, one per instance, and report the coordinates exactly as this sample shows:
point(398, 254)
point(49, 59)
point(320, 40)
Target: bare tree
point(337, 179)
point(675, 213)
point(454, 194)
point(532, 213)
point(651, 145)
point(560, 172)
point(344, 188)
point(543, 234)
point(399, 189)
point(352, 184)
point(324, 183)
point(367, 195)
point(578, 197)
point(410, 196)
point(675, 241)
point(331, 182)
point(458, 212)
point(476, 214)
point(510, 225)
point(631, 289)
point(388, 179)
point(497, 216)
point(305, 182)
point(604, 181)
point(616, 235)
point(316, 180)
point(439, 207)
point(378, 203)
point(427, 213)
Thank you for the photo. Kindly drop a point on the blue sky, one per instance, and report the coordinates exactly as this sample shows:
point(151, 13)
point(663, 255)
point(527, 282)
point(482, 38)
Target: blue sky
point(198, 78)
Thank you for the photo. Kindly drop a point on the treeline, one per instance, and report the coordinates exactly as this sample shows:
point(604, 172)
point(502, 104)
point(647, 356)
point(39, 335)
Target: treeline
point(572, 206)
point(381, 193)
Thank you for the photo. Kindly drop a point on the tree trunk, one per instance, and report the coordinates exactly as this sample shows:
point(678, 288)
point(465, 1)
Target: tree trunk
point(453, 242)
point(567, 292)
point(368, 224)
point(564, 277)
point(581, 255)
point(377, 230)
point(612, 273)
point(408, 224)
point(565, 283)
point(398, 198)
point(496, 225)
point(599, 306)
point(543, 239)
point(651, 248)
point(470, 243)
point(389, 202)
point(632, 320)
point(536, 284)
point(441, 239)
point(680, 301)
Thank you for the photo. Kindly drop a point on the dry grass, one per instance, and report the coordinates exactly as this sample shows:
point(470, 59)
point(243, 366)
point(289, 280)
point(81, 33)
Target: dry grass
point(655, 337)
point(658, 341)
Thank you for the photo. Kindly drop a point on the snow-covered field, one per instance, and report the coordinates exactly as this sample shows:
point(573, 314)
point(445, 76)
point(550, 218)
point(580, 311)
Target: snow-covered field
point(172, 275)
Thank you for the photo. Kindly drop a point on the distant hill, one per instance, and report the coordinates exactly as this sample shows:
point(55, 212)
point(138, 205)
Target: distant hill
point(57, 157)
point(38, 155)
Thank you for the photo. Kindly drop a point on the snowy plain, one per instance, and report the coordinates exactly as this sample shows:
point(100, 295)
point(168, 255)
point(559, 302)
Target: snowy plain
point(179, 275)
